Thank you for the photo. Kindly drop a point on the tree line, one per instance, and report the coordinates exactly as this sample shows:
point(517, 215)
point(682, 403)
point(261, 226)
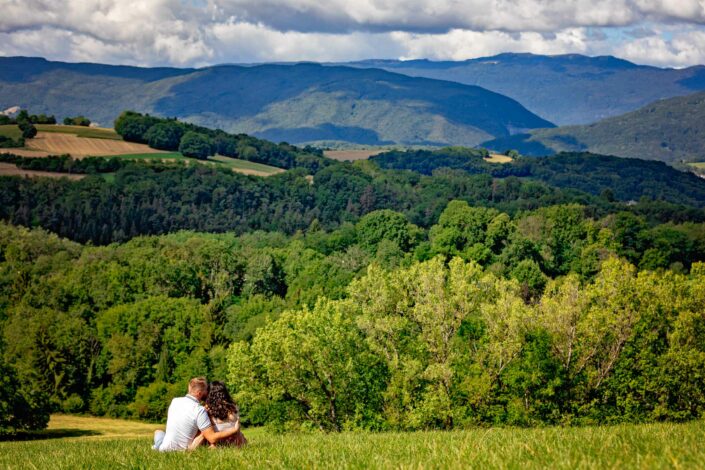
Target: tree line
point(201, 142)
point(150, 199)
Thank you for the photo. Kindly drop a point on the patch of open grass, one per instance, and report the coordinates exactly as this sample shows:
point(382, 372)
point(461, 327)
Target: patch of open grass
point(81, 131)
point(116, 444)
point(699, 165)
point(238, 164)
point(235, 164)
point(11, 131)
point(172, 156)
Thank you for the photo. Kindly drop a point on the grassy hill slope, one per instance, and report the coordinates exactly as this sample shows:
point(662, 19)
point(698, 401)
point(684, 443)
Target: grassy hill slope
point(671, 130)
point(82, 442)
point(565, 89)
point(296, 103)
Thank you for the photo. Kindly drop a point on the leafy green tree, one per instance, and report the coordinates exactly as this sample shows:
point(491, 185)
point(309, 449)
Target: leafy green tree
point(28, 131)
point(309, 367)
point(133, 126)
point(531, 278)
point(410, 318)
point(195, 145)
point(388, 225)
point(461, 227)
point(20, 409)
point(165, 135)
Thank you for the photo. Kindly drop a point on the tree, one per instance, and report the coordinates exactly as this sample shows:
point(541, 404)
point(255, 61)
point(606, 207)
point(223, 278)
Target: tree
point(20, 409)
point(25, 124)
point(195, 145)
point(133, 126)
point(77, 121)
point(309, 366)
point(165, 135)
point(28, 130)
point(410, 318)
point(460, 227)
point(381, 225)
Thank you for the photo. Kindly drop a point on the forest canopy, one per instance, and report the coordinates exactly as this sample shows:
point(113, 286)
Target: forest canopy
point(400, 293)
point(383, 324)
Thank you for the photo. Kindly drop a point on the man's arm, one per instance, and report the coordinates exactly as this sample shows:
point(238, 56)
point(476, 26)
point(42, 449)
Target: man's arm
point(214, 436)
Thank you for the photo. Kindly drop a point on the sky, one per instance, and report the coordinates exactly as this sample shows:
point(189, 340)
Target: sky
point(669, 33)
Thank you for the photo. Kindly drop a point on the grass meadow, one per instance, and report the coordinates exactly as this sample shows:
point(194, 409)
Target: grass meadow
point(11, 131)
point(241, 166)
point(96, 443)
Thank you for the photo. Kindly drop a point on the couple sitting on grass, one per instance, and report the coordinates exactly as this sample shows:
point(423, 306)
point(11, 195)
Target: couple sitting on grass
point(190, 424)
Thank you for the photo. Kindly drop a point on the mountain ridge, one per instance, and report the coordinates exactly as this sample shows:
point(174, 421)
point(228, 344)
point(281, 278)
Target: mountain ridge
point(568, 89)
point(299, 103)
point(670, 130)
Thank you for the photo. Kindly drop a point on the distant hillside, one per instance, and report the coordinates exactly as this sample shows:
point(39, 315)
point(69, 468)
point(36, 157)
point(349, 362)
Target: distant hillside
point(294, 103)
point(565, 89)
point(671, 130)
point(623, 179)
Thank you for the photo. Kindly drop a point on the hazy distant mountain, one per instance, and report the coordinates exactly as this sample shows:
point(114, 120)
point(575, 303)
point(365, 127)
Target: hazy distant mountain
point(565, 89)
point(296, 103)
point(669, 130)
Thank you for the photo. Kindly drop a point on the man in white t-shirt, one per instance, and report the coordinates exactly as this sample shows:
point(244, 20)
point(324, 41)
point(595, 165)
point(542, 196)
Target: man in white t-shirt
point(186, 418)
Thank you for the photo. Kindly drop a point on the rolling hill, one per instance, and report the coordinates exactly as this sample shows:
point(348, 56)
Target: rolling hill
point(295, 103)
point(565, 89)
point(624, 179)
point(671, 131)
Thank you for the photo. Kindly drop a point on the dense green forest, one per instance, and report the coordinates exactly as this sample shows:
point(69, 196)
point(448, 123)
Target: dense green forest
point(143, 199)
point(624, 179)
point(356, 295)
point(380, 323)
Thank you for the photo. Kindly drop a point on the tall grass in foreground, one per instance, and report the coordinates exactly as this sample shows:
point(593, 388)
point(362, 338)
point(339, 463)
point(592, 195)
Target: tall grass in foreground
point(639, 446)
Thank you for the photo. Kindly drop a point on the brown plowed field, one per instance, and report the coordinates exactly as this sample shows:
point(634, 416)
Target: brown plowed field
point(8, 169)
point(55, 143)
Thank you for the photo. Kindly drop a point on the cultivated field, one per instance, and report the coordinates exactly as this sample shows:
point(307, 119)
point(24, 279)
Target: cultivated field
point(8, 169)
point(73, 442)
point(352, 155)
point(57, 143)
point(498, 158)
point(82, 142)
point(81, 131)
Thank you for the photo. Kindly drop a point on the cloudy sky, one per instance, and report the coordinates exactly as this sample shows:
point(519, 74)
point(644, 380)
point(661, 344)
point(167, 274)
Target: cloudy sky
point(202, 32)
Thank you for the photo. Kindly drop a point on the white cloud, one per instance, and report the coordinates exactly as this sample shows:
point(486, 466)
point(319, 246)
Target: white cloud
point(684, 49)
point(461, 44)
point(200, 32)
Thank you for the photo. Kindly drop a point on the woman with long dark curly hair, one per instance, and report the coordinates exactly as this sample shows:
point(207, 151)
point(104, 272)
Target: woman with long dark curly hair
point(224, 414)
